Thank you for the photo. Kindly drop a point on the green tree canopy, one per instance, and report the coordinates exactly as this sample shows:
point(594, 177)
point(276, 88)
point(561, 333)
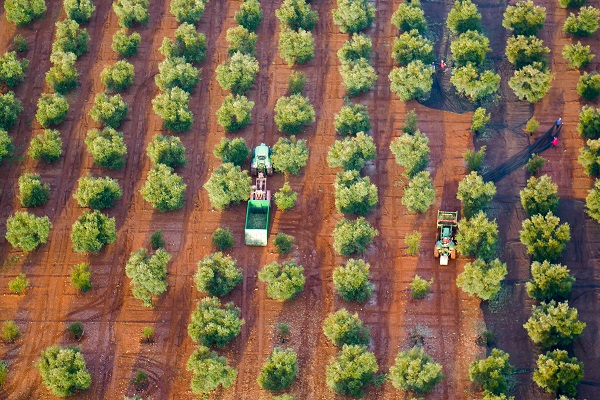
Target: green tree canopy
point(470, 48)
point(352, 370)
point(297, 14)
point(412, 46)
point(352, 153)
point(549, 281)
point(412, 82)
point(475, 85)
point(353, 15)
point(242, 40)
point(589, 157)
point(285, 198)
point(238, 73)
point(10, 108)
point(97, 193)
point(463, 17)
point(228, 184)
point(109, 110)
point(92, 231)
point(481, 278)
point(124, 44)
point(167, 150)
point(526, 50)
point(354, 194)
point(410, 16)
point(589, 122)
point(415, 371)
point(351, 119)
point(22, 12)
point(480, 120)
point(233, 151)
point(290, 155)
point(188, 43)
point(107, 147)
point(6, 146)
point(351, 281)
point(118, 76)
point(578, 55)
point(32, 192)
point(474, 194)
point(358, 76)
point(164, 189)
point(419, 195)
point(544, 236)
point(492, 372)
point(80, 277)
point(583, 24)
point(172, 106)
point(176, 72)
point(284, 281)
point(214, 323)
point(359, 46)
point(353, 236)
point(342, 327)
point(540, 196)
point(524, 18)
point(279, 370)
point(51, 109)
point(557, 372)
point(63, 370)
point(249, 15)
point(235, 112)
point(46, 146)
point(70, 38)
point(554, 324)
point(79, 11)
point(588, 86)
point(209, 370)
point(531, 82)
point(188, 11)
point(217, 274)
point(26, 231)
point(293, 114)
point(592, 201)
point(131, 12)
point(12, 70)
point(477, 237)
point(148, 274)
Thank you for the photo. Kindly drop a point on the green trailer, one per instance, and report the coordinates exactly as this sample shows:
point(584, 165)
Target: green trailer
point(256, 230)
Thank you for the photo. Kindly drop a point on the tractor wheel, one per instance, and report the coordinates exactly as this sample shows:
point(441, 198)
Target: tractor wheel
point(436, 253)
point(269, 171)
point(253, 172)
point(453, 254)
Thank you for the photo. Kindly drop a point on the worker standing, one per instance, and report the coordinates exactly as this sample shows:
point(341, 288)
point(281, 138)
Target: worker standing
point(554, 141)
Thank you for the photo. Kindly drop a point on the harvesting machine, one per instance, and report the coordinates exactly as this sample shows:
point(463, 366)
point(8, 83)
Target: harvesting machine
point(258, 212)
point(445, 247)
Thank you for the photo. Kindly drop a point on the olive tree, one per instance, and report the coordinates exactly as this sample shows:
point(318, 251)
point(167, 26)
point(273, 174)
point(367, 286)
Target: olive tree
point(296, 82)
point(557, 372)
point(233, 151)
point(412, 82)
point(188, 43)
point(22, 12)
point(176, 72)
point(6, 146)
point(549, 281)
point(554, 324)
point(531, 82)
point(592, 202)
point(124, 44)
point(92, 231)
point(79, 11)
point(32, 192)
point(285, 198)
point(588, 86)
point(242, 40)
point(296, 47)
point(235, 112)
point(351, 119)
point(46, 146)
point(351, 371)
point(148, 274)
point(284, 281)
point(80, 277)
point(249, 15)
point(107, 147)
point(214, 323)
point(343, 328)
point(12, 70)
point(359, 46)
point(10, 108)
point(238, 73)
point(167, 150)
point(353, 15)
point(62, 75)
point(209, 370)
point(354, 194)
point(419, 195)
point(97, 193)
point(578, 55)
point(289, 155)
point(353, 236)
point(526, 50)
point(589, 122)
point(118, 76)
point(589, 157)
point(524, 18)
point(474, 194)
point(463, 17)
point(477, 237)
point(540, 196)
point(480, 120)
point(544, 236)
point(188, 11)
point(222, 239)
point(481, 278)
point(70, 38)
point(352, 153)
point(410, 16)
point(351, 281)
point(172, 106)
point(297, 14)
point(228, 184)
point(475, 85)
point(109, 110)
point(584, 24)
point(414, 370)
point(164, 189)
point(411, 152)
point(293, 114)
point(470, 48)
point(51, 109)
point(131, 12)
point(217, 274)
point(358, 76)
point(412, 46)
point(279, 370)
point(26, 231)
point(63, 370)
point(491, 374)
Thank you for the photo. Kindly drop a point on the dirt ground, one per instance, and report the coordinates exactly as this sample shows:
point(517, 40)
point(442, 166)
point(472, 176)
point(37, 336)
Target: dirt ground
point(448, 319)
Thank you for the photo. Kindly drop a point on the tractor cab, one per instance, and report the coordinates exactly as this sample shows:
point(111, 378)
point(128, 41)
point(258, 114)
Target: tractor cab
point(261, 160)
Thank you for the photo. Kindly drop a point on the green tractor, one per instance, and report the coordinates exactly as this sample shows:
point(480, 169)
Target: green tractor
point(261, 160)
point(445, 247)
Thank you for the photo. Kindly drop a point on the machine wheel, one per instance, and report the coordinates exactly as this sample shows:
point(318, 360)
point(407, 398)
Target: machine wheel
point(253, 172)
point(453, 254)
point(436, 253)
point(269, 171)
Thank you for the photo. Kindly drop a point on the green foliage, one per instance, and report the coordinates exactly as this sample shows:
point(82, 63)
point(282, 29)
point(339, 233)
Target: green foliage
point(351, 119)
point(474, 194)
point(172, 106)
point(549, 281)
point(285, 198)
point(140, 380)
point(477, 237)
point(6, 146)
point(124, 44)
point(354, 194)
point(540, 196)
point(222, 239)
point(131, 12)
point(63, 370)
point(556, 371)
point(296, 47)
point(188, 43)
point(475, 85)
point(571, 3)
point(148, 334)
point(353, 15)
point(148, 274)
point(524, 18)
point(232, 151)
point(352, 153)
point(289, 155)
point(92, 231)
point(584, 24)
point(480, 120)
point(412, 82)
point(358, 76)
point(419, 195)
point(188, 11)
point(76, 330)
point(107, 147)
point(351, 281)
point(97, 193)
point(343, 328)
point(474, 159)
point(10, 108)
point(589, 157)
point(51, 109)
point(296, 82)
point(279, 371)
point(535, 164)
point(22, 12)
point(80, 277)
point(118, 76)
point(62, 75)
point(249, 15)
point(213, 323)
point(588, 86)
point(481, 278)
point(227, 184)
point(70, 38)
point(19, 284)
point(410, 16)
point(176, 72)
point(109, 110)
point(415, 371)
point(419, 287)
point(26, 231)
point(79, 11)
point(235, 112)
point(353, 236)
point(284, 281)
point(359, 46)
point(544, 237)
point(554, 324)
point(164, 189)
point(32, 192)
point(10, 331)
point(470, 48)
point(283, 243)
point(578, 55)
point(19, 44)
point(293, 114)
point(352, 370)
point(526, 50)
point(412, 46)
point(157, 240)
point(4, 372)
point(463, 17)
point(413, 242)
point(297, 14)
point(167, 150)
point(592, 201)
point(12, 70)
point(209, 371)
point(238, 73)
point(242, 40)
point(217, 274)
point(532, 125)
point(491, 373)
point(589, 122)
